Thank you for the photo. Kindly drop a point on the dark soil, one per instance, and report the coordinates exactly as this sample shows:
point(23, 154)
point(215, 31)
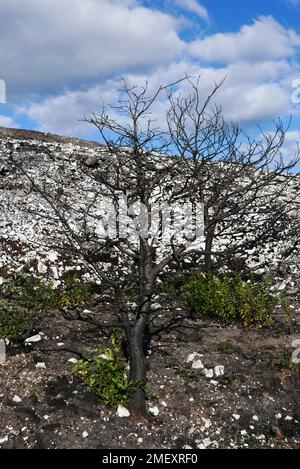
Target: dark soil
point(256, 403)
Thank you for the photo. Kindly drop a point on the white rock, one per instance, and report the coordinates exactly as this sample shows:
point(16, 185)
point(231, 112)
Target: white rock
point(201, 446)
point(154, 410)
point(156, 307)
point(122, 411)
point(219, 370)
point(72, 360)
point(243, 432)
point(208, 373)
point(198, 365)
point(34, 338)
point(207, 422)
point(207, 442)
point(17, 399)
point(192, 356)
point(278, 416)
point(288, 417)
point(104, 356)
point(4, 439)
point(255, 418)
point(85, 434)
point(215, 383)
point(52, 256)
point(140, 440)
point(41, 365)
point(236, 416)
point(187, 447)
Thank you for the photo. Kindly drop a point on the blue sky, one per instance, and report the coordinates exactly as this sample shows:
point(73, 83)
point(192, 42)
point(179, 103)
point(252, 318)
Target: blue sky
point(61, 60)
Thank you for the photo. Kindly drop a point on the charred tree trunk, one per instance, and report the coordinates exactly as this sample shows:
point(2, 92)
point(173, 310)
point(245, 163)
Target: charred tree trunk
point(208, 256)
point(138, 366)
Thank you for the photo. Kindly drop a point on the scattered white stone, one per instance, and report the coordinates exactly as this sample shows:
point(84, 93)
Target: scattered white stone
point(288, 417)
point(72, 360)
point(207, 442)
point(215, 383)
point(122, 411)
point(140, 440)
point(154, 410)
point(46, 417)
point(41, 365)
point(278, 416)
point(207, 423)
point(52, 256)
point(104, 356)
point(34, 338)
point(219, 370)
point(255, 418)
point(208, 373)
point(4, 439)
point(156, 307)
point(236, 416)
point(187, 447)
point(17, 399)
point(198, 365)
point(243, 432)
point(192, 356)
point(85, 434)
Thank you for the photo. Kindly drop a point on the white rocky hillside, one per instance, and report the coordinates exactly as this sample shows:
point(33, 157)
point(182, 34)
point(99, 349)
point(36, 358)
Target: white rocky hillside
point(25, 235)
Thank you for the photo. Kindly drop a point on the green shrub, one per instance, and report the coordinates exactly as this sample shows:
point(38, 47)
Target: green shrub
point(14, 319)
point(105, 375)
point(73, 292)
point(37, 294)
point(231, 299)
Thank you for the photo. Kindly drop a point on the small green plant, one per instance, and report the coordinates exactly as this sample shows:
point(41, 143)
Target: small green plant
point(231, 299)
point(74, 292)
point(105, 374)
point(14, 319)
point(29, 290)
point(286, 363)
point(251, 441)
point(227, 347)
point(229, 378)
point(36, 294)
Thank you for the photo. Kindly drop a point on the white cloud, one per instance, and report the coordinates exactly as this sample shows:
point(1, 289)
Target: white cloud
point(250, 94)
point(64, 65)
point(51, 44)
point(265, 39)
point(6, 121)
point(294, 3)
point(194, 7)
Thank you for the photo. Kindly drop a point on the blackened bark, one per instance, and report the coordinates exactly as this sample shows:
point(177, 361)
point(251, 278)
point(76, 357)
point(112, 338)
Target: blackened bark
point(138, 365)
